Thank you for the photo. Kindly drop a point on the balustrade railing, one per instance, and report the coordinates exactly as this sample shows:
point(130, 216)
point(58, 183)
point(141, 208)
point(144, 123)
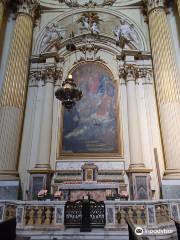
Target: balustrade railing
point(50, 214)
point(150, 214)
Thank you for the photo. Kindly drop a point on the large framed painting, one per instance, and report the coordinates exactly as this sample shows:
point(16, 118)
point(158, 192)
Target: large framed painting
point(91, 128)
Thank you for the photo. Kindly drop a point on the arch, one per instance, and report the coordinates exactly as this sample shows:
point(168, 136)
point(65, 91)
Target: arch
point(92, 127)
point(68, 14)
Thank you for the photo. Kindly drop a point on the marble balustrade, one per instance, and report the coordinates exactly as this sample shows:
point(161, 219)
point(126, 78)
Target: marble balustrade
point(50, 214)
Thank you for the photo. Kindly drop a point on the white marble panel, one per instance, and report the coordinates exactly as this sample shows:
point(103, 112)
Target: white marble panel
point(64, 165)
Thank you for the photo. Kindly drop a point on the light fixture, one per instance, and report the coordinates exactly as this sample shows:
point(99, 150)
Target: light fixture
point(70, 46)
point(68, 93)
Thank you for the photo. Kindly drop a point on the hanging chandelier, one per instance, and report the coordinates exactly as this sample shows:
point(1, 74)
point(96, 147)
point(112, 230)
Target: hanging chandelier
point(68, 93)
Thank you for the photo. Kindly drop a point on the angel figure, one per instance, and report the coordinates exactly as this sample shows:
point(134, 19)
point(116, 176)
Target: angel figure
point(124, 33)
point(94, 28)
point(85, 23)
point(89, 22)
point(52, 33)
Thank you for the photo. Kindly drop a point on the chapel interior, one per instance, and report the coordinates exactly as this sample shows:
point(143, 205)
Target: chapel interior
point(89, 109)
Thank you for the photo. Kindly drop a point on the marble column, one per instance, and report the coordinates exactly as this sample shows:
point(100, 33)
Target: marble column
point(43, 161)
point(13, 95)
point(167, 84)
point(2, 6)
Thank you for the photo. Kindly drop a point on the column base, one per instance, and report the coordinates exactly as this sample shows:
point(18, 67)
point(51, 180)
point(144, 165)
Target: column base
point(42, 166)
point(138, 168)
point(172, 174)
point(8, 175)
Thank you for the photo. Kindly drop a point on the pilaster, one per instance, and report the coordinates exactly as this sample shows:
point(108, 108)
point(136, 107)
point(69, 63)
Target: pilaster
point(137, 170)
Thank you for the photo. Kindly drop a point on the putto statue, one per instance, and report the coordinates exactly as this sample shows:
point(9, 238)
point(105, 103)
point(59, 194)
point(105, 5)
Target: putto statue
point(125, 33)
point(90, 22)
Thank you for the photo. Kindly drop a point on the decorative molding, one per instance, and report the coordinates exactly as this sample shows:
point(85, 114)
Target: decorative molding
point(88, 3)
point(48, 73)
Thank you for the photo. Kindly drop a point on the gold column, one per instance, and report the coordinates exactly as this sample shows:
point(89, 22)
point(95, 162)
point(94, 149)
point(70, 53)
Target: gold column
point(2, 3)
point(13, 95)
point(167, 85)
point(178, 4)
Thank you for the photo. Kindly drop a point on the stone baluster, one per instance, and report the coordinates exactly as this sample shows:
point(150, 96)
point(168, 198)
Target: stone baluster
point(167, 85)
point(13, 95)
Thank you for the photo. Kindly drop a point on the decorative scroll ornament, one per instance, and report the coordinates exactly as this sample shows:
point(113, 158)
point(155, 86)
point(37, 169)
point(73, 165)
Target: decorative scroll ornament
point(90, 22)
point(125, 33)
point(88, 3)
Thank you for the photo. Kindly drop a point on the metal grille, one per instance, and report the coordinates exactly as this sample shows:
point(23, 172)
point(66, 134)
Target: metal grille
point(74, 213)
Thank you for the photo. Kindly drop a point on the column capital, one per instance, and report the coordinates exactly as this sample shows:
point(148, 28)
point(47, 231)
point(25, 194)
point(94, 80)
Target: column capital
point(129, 72)
point(46, 74)
point(4, 1)
point(29, 7)
point(154, 4)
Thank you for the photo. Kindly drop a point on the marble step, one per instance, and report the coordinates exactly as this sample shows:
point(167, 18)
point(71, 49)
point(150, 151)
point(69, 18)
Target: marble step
point(95, 234)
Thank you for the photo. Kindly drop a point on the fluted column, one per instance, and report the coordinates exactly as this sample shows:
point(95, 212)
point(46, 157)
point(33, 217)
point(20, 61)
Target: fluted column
point(136, 160)
point(13, 95)
point(137, 170)
point(43, 161)
point(167, 83)
point(2, 6)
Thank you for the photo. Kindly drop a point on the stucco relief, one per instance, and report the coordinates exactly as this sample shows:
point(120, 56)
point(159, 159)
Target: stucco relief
point(125, 33)
point(95, 23)
point(52, 33)
point(85, 3)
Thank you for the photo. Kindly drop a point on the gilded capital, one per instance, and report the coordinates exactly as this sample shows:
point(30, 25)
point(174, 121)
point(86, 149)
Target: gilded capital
point(128, 72)
point(47, 74)
point(30, 7)
point(154, 4)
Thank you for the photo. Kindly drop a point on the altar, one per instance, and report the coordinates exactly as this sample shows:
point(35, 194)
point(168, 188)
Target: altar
point(97, 180)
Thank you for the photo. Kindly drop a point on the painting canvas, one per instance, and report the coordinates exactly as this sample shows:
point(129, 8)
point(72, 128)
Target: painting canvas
point(91, 126)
